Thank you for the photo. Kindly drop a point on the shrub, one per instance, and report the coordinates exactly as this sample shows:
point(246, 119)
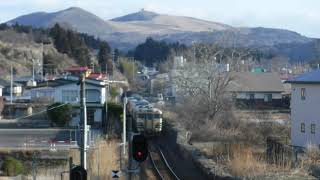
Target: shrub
point(12, 167)
point(114, 110)
point(313, 153)
point(60, 114)
point(113, 92)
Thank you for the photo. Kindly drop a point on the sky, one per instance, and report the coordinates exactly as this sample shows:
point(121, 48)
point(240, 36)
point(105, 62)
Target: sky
point(302, 16)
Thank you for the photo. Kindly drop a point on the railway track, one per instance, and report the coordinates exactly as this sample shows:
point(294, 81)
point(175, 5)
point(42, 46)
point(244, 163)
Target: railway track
point(160, 164)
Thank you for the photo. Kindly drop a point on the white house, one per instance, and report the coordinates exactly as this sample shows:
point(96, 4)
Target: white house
point(68, 91)
point(305, 113)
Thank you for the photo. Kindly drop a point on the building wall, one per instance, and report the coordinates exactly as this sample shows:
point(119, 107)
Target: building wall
point(97, 116)
point(305, 111)
point(258, 95)
point(0, 91)
point(94, 94)
point(260, 100)
point(16, 90)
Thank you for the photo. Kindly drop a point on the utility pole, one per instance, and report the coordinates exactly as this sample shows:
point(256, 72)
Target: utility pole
point(106, 123)
point(11, 82)
point(130, 160)
point(133, 70)
point(83, 123)
point(124, 125)
point(42, 61)
point(107, 70)
point(32, 70)
point(34, 168)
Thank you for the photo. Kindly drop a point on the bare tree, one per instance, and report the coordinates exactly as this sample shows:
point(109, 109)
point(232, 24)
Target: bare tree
point(202, 88)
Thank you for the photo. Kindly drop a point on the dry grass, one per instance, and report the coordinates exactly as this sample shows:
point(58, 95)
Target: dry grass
point(244, 164)
point(103, 159)
point(313, 154)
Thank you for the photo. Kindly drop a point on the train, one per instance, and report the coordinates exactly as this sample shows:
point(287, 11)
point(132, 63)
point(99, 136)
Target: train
point(146, 118)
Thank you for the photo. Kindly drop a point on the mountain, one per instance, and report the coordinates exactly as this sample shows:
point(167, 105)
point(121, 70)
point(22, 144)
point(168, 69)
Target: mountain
point(138, 16)
point(127, 31)
point(73, 18)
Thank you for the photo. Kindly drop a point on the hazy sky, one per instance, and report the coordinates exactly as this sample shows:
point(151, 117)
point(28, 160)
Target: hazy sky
point(302, 16)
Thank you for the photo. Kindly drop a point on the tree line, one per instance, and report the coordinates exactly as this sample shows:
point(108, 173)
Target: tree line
point(153, 52)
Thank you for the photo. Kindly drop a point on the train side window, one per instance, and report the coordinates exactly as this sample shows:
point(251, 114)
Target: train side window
point(157, 116)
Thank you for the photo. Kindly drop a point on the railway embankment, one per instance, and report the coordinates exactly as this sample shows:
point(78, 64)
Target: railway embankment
point(209, 167)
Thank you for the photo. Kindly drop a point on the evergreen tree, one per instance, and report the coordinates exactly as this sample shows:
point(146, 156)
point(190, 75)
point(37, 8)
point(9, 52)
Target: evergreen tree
point(153, 52)
point(103, 56)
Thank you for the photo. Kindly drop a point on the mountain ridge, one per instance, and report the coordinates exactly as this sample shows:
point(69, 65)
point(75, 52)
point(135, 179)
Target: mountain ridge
point(125, 32)
point(142, 15)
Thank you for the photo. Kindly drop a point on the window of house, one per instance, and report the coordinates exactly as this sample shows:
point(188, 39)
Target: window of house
point(90, 116)
point(303, 128)
point(70, 95)
point(313, 128)
point(267, 97)
point(93, 95)
point(303, 93)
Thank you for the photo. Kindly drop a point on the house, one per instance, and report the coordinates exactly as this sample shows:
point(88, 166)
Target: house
point(28, 80)
point(77, 70)
point(305, 98)
point(256, 90)
point(67, 90)
point(16, 88)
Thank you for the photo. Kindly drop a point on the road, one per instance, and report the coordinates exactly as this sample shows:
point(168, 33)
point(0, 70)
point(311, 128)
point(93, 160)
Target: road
point(37, 138)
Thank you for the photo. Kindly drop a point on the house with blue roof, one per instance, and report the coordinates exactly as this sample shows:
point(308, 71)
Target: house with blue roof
point(305, 109)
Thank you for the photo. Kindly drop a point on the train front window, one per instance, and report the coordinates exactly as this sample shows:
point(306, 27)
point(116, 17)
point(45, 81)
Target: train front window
point(157, 116)
point(149, 116)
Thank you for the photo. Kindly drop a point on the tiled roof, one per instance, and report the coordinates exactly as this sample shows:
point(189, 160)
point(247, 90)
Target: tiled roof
point(62, 82)
point(255, 82)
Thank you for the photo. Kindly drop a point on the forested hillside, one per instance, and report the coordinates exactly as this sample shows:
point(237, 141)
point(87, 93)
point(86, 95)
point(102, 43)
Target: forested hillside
point(59, 48)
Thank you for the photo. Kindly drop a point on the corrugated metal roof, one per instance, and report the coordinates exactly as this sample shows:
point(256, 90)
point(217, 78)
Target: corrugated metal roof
point(7, 83)
point(255, 82)
point(312, 77)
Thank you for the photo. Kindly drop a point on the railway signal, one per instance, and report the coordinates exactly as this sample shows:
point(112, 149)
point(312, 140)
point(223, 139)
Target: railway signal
point(78, 173)
point(139, 148)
